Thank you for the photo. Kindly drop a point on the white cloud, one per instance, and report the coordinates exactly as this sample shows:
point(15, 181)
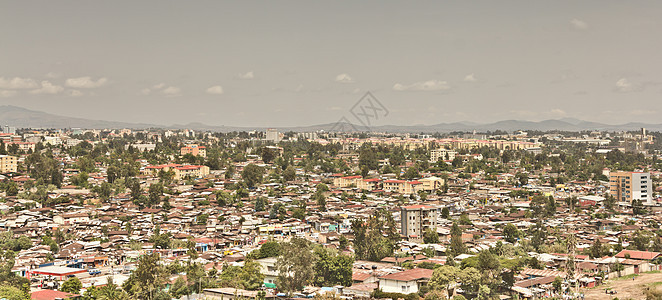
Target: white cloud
point(470, 78)
point(578, 24)
point(215, 90)
point(427, 86)
point(53, 75)
point(17, 83)
point(48, 88)
point(247, 75)
point(155, 88)
point(623, 85)
point(85, 82)
point(172, 91)
point(558, 112)
point(74, 93)
point(7, 93)
point(344, 78)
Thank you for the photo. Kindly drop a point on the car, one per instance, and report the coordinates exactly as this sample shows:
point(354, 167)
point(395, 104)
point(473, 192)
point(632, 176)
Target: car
point(94, 271)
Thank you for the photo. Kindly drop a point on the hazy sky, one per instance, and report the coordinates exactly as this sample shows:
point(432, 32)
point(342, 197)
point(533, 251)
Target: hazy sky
point(283, 63)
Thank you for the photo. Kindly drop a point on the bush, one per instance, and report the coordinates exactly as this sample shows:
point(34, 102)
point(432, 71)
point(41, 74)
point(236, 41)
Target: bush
point(378, 294)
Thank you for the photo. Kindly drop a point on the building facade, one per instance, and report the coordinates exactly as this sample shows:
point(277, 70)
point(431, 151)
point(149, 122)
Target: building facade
point(194, 150)
point(628, 186)
point(416, 219)
point(442, 154)
point(8, 163)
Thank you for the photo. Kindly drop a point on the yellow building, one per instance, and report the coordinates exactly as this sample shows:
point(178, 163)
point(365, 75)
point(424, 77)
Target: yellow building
point(8, 163)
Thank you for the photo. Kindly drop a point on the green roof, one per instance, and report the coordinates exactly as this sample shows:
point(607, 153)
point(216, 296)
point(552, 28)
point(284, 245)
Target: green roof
point(270, 285)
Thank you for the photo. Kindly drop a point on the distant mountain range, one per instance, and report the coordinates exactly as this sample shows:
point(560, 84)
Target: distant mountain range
point(24, 118)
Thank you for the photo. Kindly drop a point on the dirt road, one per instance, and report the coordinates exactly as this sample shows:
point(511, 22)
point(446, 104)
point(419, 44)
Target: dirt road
point(625, 288)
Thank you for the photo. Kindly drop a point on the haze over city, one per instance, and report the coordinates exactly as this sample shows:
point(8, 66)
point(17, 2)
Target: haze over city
point(289, 63)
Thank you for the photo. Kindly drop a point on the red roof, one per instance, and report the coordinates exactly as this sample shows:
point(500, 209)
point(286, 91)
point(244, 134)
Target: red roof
point(409, 275)
point(638, 254)
point(360, 276)
point(352, 177)
point(418, 206)
point(51, 295)
point(188, 167)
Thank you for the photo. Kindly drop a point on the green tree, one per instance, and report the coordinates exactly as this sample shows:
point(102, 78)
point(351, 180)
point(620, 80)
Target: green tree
point(332, 268)
point(252, 175)
point(538, 233)
point(155, 193)
point(72, 285)
point(252, 276)
point(368, 157)
point(289, 174)
point(179, 288)
point(148, 278)
point(470, 279)
point(557, 283)
point(261, 204)
point(12, 293)
point(457, 246)
point(444, 278)
point(412, 173)
point(445, 213)
point(270, 249)
point(375, 238)
point(430, 236)
point(295, 265)
point(510, 233)
point(596, 249)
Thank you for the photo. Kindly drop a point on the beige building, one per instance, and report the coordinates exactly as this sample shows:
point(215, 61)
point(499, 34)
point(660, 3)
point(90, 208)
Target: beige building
point(181, 171)
point(8, 163)
point(402, 186)
point(432, 183)
point(347, 181)
point(442, 154)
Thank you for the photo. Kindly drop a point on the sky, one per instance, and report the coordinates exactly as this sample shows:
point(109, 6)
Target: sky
point(293, 63)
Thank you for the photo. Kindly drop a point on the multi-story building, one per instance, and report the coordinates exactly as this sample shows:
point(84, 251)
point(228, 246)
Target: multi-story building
point(416, 219)
point(8, 163)
point(347, 181)
point(194, 149)
point(272, 135)
point(628, 186)
point(180, 171)
point(442, 154)
point(432, 183)
point(402, 186)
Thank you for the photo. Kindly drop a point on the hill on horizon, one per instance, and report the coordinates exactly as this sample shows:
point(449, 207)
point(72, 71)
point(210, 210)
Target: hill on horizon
point(25, 118)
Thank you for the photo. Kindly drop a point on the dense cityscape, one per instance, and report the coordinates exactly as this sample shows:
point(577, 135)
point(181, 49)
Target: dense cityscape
point(163, 214)
point(330, 150)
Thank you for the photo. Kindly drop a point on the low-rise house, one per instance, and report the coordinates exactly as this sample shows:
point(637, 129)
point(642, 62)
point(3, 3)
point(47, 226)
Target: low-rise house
point(405, 282)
